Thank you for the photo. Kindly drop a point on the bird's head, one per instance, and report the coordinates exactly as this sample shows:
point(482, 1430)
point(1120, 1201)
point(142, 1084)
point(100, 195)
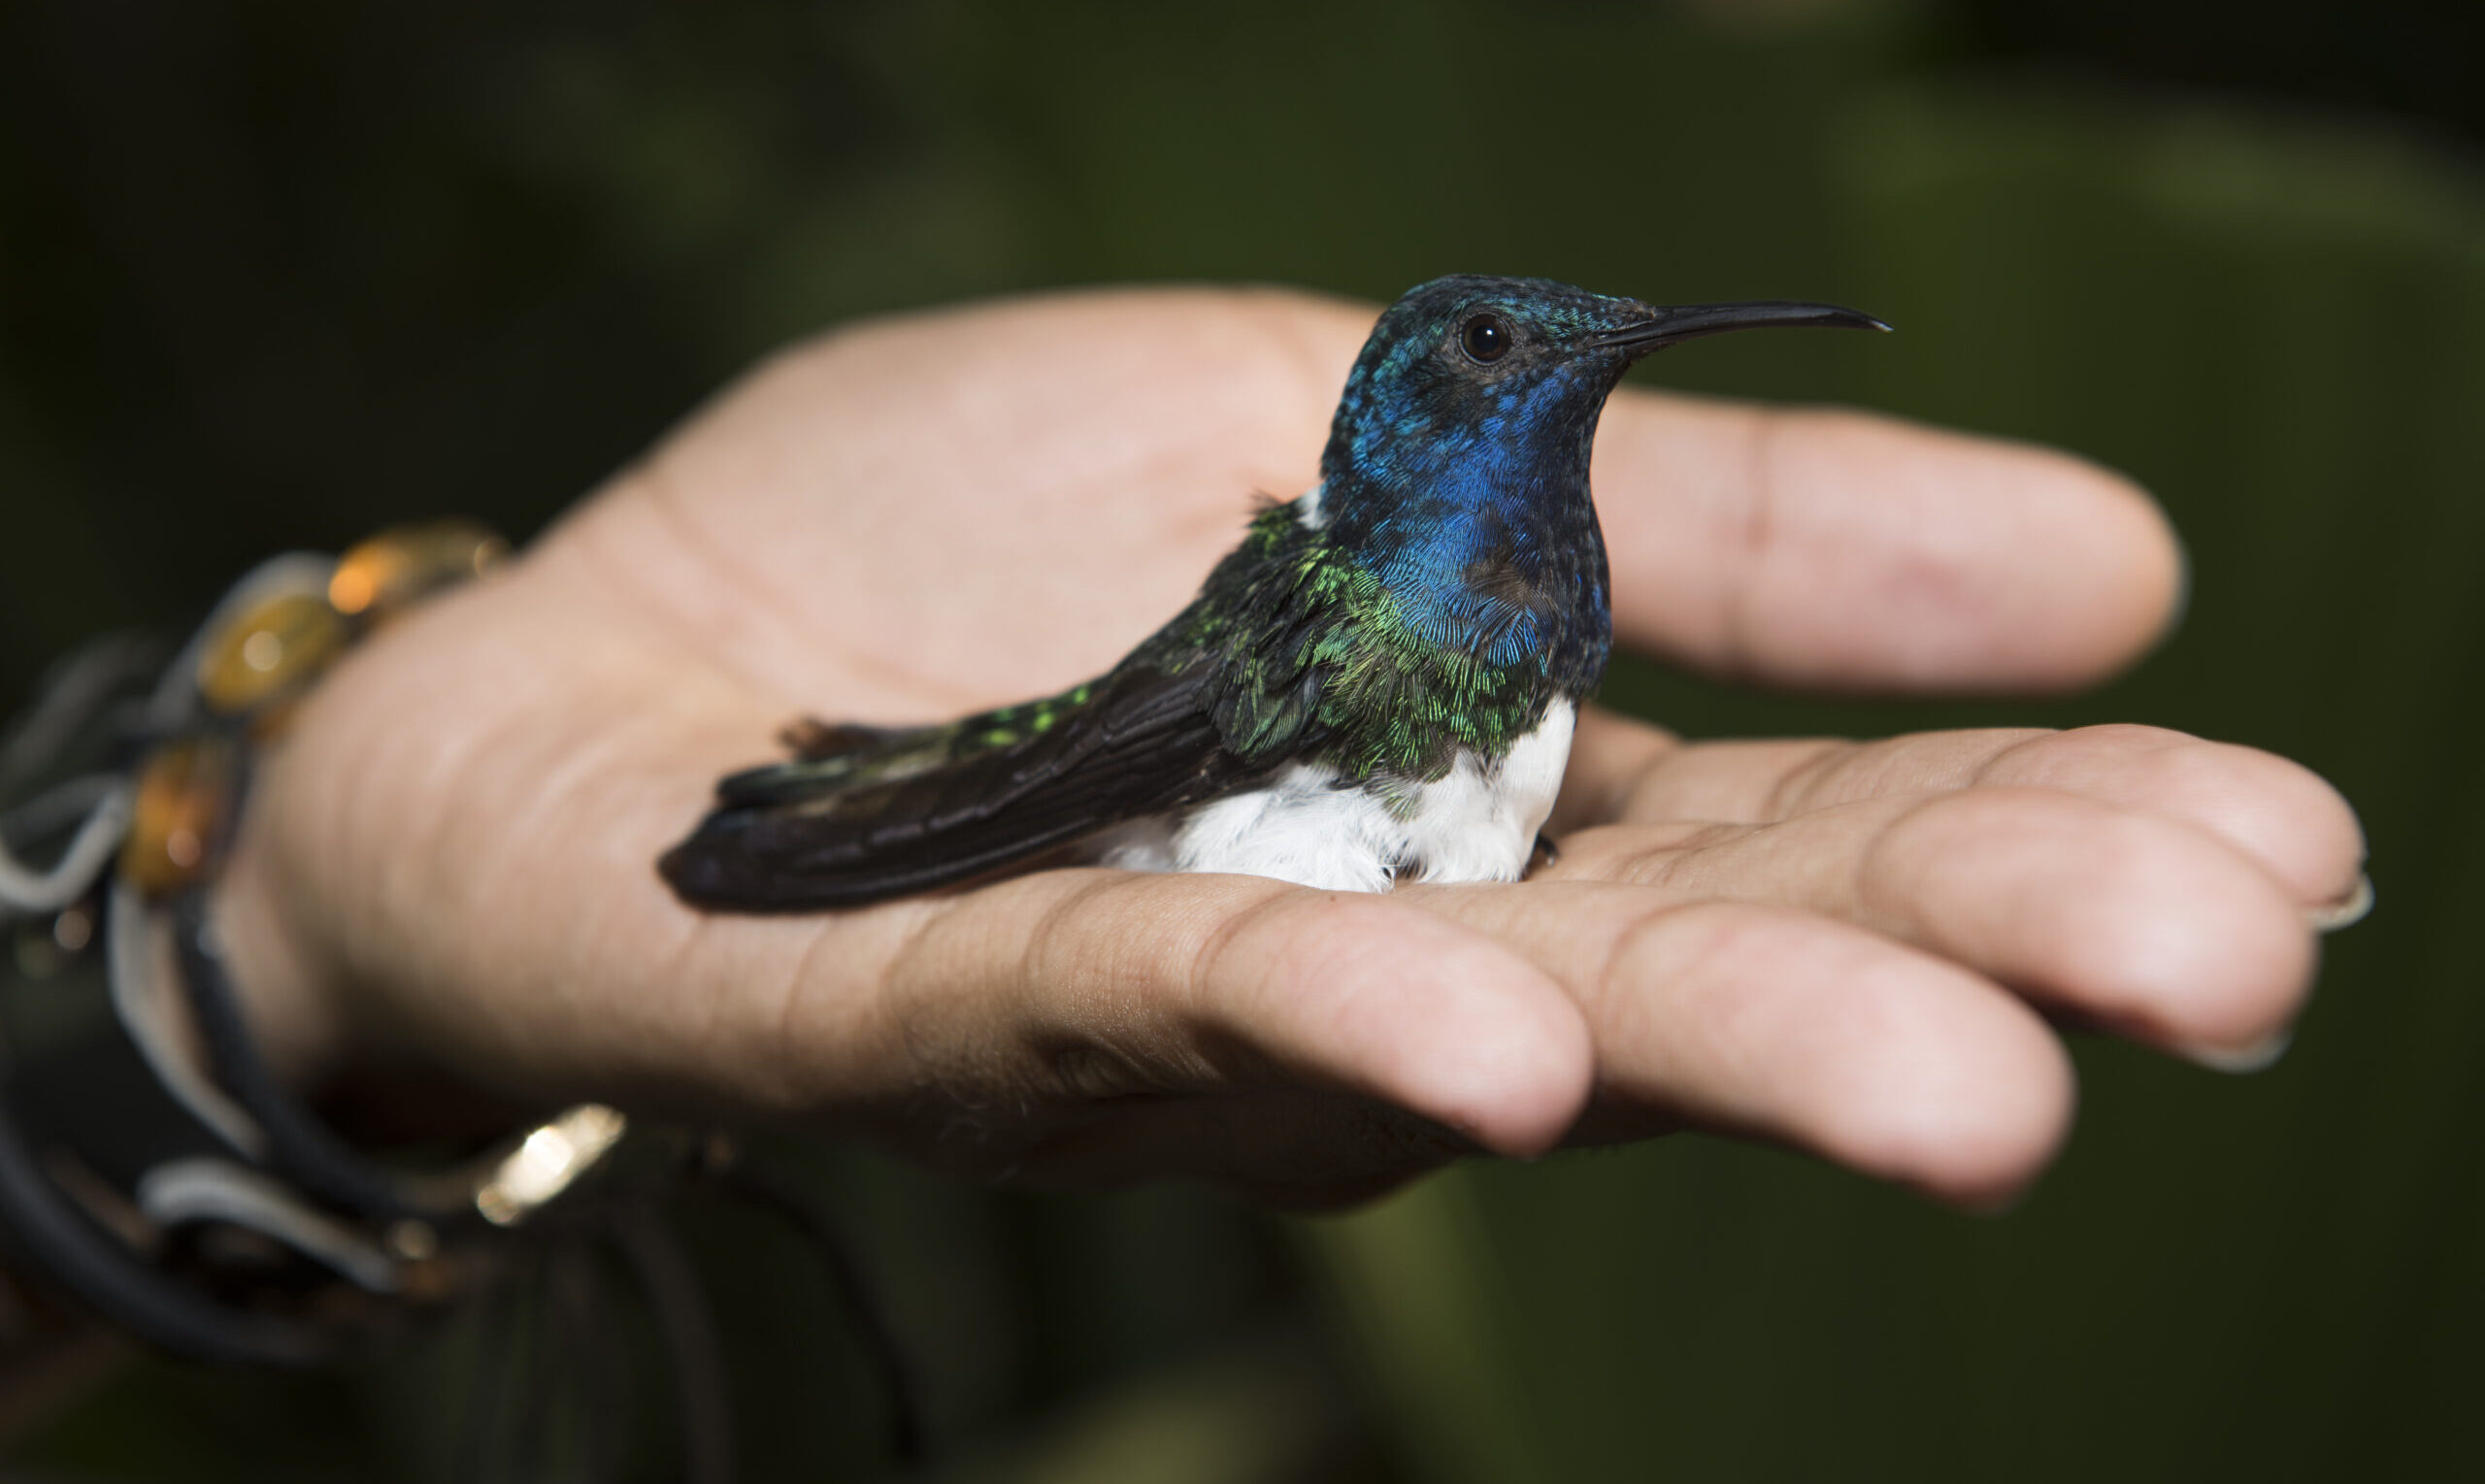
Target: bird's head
point(1511, 372)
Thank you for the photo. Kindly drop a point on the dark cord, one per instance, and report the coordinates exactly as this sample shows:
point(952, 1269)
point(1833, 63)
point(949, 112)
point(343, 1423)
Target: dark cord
point(702, 1399)
point(70, 697)
point(908, 1440)
point(93, 1264)
point(300, 1146)
point(495, 1369)
point(577, 1293)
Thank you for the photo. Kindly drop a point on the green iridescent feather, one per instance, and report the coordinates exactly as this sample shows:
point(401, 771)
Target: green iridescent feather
point(1316, 663)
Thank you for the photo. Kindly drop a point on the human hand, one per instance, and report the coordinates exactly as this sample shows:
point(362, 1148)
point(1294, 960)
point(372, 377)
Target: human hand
point(1851, 948)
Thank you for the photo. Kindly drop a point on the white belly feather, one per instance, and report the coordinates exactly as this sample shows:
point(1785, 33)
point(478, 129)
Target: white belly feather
point(1475, 823)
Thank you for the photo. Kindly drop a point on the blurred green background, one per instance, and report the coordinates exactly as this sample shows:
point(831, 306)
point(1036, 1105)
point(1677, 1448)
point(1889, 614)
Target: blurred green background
point(273, 273)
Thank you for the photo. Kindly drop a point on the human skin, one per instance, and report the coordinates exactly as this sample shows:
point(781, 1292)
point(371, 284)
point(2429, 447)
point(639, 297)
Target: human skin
point(1853, 949)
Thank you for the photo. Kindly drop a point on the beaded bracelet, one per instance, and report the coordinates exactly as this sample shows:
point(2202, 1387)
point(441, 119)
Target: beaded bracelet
point(212, 1212)
point(153, 1164)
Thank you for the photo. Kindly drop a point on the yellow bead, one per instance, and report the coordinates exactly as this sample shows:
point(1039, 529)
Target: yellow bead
point(268, 648)
point(394, 568)
point(182, 795)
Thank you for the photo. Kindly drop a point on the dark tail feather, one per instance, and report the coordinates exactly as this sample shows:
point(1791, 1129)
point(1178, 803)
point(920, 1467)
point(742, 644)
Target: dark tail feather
point(934, 807)
point(749, 860)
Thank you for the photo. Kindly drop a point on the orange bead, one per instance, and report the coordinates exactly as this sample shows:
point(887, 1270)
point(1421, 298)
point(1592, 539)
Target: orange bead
point(183, 793)
point(268, 648)
point(390, 570)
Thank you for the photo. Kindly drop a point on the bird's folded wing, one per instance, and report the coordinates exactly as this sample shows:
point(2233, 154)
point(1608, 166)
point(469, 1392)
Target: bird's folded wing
point(913, 810)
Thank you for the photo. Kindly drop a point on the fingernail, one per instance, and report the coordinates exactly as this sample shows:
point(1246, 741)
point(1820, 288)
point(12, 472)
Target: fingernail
point(2259, 1056)
point(2347, 910)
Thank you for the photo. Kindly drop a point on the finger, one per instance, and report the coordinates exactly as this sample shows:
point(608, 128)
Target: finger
point(1853, 552)
point(1089, 986)
point(1796, 1028)
point(2125, 917)
point(2277, 813)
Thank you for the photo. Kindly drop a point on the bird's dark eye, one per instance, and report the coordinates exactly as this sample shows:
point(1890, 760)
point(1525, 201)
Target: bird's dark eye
point(1485, 337)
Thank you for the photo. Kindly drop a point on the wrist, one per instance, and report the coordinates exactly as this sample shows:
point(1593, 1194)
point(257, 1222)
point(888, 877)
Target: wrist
point(155, 1156)
point(290, 997)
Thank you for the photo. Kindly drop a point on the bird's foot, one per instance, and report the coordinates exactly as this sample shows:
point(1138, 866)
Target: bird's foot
point(1543, 853)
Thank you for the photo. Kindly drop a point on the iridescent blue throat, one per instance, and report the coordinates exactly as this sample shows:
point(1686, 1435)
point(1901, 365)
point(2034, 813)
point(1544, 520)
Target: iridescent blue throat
point(1475, 513)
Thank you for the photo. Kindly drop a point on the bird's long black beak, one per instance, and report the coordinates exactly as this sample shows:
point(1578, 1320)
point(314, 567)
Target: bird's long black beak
point(1666, 323)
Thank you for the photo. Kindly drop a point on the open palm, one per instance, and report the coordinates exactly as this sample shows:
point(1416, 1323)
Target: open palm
point(1851, 947)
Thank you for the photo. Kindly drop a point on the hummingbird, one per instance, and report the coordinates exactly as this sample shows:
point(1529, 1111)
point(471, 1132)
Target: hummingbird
point(1378, 685)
